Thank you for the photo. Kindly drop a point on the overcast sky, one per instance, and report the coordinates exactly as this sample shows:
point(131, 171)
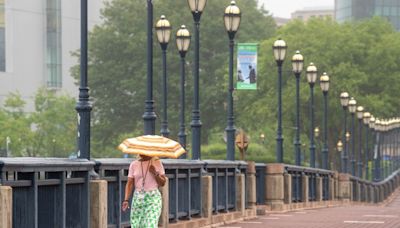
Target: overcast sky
point(283, 8)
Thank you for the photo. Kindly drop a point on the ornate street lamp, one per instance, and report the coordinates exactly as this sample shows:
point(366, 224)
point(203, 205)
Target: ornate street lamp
point(84, 107)
point(279, 54)
point(339, 148)
point(182, 43)
point(324, 83)
point(344, 101)
point(149, 116)
point(366, 119)
point(360, 114)
point(262, 138)
point(232, 22)
point(196, 7)
point(311, 79)
point(297, 66)
point(352, 108)
point(163, 30)
point(317, 155)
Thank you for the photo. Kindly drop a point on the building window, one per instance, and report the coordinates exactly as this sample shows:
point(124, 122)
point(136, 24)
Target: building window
point(2, 37)
point(53, 38)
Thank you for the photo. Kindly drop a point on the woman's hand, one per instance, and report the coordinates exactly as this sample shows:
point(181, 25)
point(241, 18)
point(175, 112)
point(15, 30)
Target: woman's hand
point(153, 170)
point(125, 205)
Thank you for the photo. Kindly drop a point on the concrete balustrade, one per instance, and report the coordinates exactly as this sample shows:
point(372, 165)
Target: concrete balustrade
point(5, 207)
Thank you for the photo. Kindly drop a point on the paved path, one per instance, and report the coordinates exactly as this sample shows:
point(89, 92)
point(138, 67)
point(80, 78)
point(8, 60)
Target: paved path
point(337, 217)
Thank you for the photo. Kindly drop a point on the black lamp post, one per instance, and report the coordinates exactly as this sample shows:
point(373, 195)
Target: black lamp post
point(84, 107)
point(182, 43)
point(360, 113)
point(352, 109)
point(324, 83)
point(279, 54)
point(344, 101)
point(371, 125)
point(149, 116)
point(196, 7)
point(339, 148)
point(232, 21)
point(297, 66)
point(366, 120)
point(163, 30)
point(347, 148)
point(377, 154)
point(317, 155)
point(311, 79)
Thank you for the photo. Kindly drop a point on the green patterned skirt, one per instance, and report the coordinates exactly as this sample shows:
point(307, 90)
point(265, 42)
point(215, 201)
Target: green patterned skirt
point(146, 209)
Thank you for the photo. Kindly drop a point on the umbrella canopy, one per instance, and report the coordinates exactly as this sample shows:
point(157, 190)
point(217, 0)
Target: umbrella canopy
point(153, 146)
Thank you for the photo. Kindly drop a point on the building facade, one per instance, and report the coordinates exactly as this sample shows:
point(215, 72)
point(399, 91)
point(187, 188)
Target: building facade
point(37, 38)
point(346, 10)
point(309, 13)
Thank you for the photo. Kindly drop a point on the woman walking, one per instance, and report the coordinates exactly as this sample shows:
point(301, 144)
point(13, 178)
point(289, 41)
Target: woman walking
point(145, 176)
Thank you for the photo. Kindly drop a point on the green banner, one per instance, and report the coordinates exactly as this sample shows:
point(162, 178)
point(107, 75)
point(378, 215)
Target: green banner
point(246, 66)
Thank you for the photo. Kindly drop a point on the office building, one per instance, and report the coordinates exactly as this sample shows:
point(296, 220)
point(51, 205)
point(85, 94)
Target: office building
point(351, 10)
point(317, 12)
point(37, 38)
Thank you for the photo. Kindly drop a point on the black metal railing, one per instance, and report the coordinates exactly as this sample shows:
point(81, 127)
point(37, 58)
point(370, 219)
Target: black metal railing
point(260, 183)
point(48, 192)
point(224, 184)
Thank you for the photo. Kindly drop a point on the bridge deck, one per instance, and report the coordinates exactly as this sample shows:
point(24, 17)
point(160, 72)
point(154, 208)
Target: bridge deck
point(386, 216)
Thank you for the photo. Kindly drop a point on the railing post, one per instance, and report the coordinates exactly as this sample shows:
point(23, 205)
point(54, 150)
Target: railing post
point(6, 207)
point(358, 192)
point(274, 182)
point(240, 193)
point(288, 188)
point(305, 189)
point(344, 187)
point(206, 190)
point(98, 204)
point(371, 194)
point(164, 218)
point(331, 187)
point(251, 184)
point(319, 193)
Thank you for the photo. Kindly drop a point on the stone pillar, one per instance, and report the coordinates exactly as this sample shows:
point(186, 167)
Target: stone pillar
point(381, 193)
point(274, 185)
point(319, 189)
point(6, 207)
point(240, 193)
point(98, 204)
point(164, 218)
point(371, 194)
point(251, 184)
point(206, 190)
point(344, 187)
point(287, 188)
point(331, 188)
point(305, 189)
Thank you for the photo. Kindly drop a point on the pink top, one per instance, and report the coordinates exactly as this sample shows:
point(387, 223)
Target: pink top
point(135, 171)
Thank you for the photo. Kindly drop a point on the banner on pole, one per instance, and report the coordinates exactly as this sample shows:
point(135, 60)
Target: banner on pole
point(246, 66)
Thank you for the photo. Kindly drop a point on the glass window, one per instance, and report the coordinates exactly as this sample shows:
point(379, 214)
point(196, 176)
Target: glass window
point(53, 41)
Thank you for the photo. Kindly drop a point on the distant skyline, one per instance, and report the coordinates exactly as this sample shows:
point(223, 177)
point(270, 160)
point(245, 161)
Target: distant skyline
point(284, 8)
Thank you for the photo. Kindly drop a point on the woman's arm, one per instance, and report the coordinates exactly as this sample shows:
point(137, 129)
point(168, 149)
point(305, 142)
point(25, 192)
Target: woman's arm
point(128, 191)
point(160, 178)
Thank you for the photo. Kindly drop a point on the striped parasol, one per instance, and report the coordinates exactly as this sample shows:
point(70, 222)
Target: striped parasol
point(153, 146)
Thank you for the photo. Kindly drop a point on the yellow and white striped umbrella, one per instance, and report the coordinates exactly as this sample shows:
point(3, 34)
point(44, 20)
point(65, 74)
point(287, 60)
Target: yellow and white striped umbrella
point(153, 146)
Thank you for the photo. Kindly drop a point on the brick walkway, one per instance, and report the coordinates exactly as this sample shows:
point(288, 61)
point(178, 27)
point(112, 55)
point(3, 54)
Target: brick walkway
point(337, 217)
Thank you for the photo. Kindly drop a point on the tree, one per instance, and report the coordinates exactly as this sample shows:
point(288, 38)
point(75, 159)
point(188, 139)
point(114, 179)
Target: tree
point(361, 58)
point(117, 65)
point(48, 131)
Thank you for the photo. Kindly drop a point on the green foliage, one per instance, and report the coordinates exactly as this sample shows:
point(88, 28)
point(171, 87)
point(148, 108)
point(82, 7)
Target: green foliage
point(48, 131)
point(361, 58)
point(117, 66)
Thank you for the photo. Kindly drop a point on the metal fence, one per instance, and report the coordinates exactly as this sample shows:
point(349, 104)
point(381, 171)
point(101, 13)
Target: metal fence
point(48, 192)
point(224, 184)
point(184, 178)
point(260, 183)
